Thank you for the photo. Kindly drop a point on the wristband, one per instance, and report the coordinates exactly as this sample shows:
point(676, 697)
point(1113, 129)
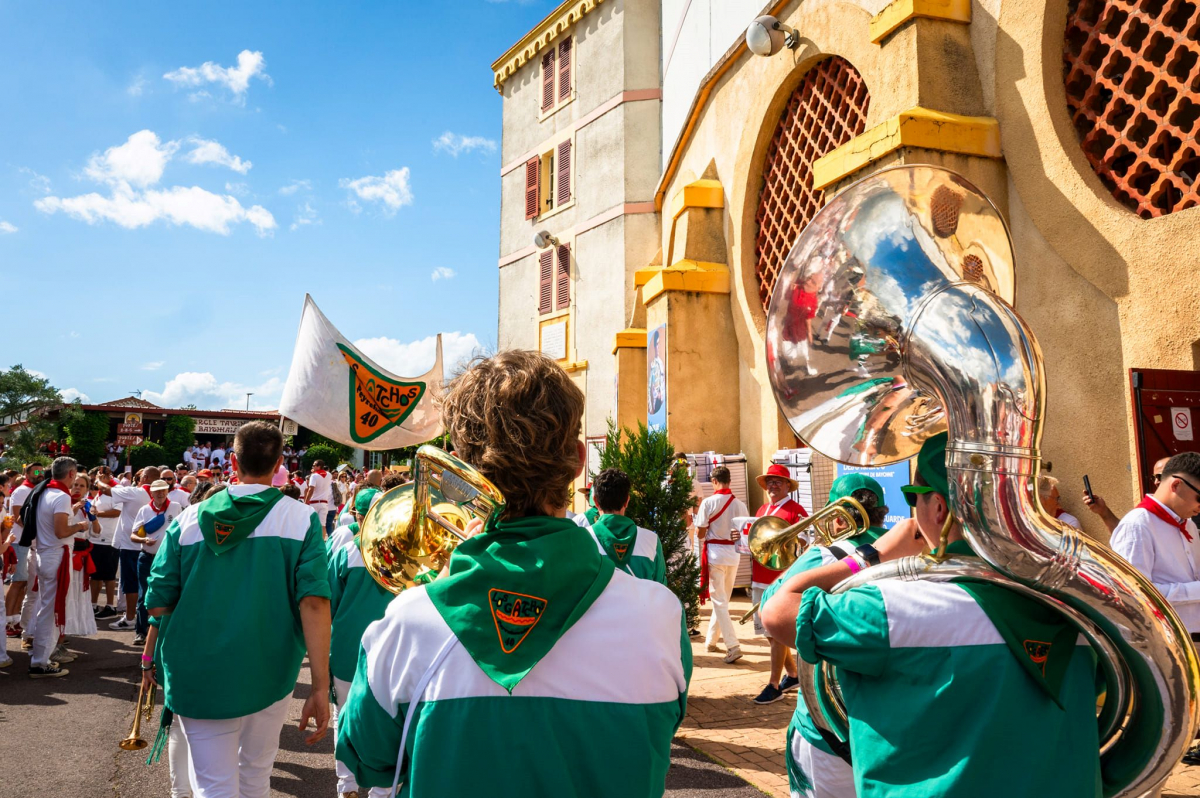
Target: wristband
point(149, 667)
point(147, 659)
point(853, 564)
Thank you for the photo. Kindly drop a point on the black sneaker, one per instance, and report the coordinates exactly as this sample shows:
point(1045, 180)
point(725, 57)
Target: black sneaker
point(105, 612)
point(769, 695)
point(139, 639)
point(788, 683)
point(1192, 757)
point(47, 671)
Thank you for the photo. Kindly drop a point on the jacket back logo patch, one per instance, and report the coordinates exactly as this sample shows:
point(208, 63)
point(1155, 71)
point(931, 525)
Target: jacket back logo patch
point(1038, 652)
point(515, 615)
point(222, 532)
point(621, 549)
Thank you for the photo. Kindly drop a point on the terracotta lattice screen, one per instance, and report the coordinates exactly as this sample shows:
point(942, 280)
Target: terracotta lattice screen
point(826, 110)
point(1133, 89)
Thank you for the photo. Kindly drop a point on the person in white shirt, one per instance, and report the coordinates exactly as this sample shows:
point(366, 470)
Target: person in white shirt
point(218, 456)
point(15, 596)
point(1047, 488)
point(81, 618)
point(54, 527)
point(176, 493)
point(719, 559)
point(130, 500)
point(149, 526)
point(319, 491)
point(104, 554)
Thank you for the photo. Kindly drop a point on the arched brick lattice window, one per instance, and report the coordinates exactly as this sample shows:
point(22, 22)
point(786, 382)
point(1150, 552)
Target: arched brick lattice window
point(1133, 89)
point(826, 110)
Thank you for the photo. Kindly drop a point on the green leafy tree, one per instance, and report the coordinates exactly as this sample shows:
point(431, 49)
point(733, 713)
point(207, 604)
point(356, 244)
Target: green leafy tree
point(147, 454)
point(327, 454)
point(344, 452)
point(87, 433)
point(660, 495)
point(25, 399)
point(179, 434)
point(407, 453)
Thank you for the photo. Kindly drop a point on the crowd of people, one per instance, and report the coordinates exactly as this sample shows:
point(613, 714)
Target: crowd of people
point(545, 624)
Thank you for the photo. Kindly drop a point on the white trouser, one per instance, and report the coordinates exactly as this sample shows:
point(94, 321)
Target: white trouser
point(177, 759)
point(828, 776)
point(233, 758)
point(322, 510)
point(345, 779)
point(720, 588)
point(45, 628)
point(29, 603)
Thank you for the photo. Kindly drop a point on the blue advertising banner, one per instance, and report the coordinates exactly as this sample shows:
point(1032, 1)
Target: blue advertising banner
point(656, 378)
point(892, 478)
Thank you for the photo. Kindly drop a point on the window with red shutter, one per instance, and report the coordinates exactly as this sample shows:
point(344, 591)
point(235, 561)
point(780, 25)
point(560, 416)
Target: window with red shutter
point(564, 173)
point(548, 76)
point(563, 278)
point(564, 69)
point(546, 287)
point(533, 181)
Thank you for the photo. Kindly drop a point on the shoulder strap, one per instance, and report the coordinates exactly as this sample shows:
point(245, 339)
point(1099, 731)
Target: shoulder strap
point(721, 512)
point(841, 549)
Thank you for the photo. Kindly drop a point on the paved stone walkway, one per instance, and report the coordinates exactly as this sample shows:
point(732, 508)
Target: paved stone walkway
point(724, 722)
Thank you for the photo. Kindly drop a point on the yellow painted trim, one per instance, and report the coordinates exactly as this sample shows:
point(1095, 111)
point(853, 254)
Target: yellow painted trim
point(631, 338)
point(698, 194)
point(916, 127)
point(577, 365)
point(542, 34)
point(689, 276)
point(642, 276)
point(901, 11)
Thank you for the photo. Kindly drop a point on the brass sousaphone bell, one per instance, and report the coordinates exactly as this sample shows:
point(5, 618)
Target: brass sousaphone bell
point(413, 529)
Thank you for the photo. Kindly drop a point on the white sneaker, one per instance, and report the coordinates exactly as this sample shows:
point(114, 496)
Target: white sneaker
point(734, 655)
point(712, 647)
point(4, 663)
point(61, 655)
point(122, 623)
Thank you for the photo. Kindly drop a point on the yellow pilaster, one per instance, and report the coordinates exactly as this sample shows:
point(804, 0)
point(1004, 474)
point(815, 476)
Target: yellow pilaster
point(901, 11)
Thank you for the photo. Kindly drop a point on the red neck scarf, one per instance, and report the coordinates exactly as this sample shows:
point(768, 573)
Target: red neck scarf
point(160, 510)
point(148, 493)
point(321, 472)
point(723, 492)
point(1151, 505)
point(54, 484)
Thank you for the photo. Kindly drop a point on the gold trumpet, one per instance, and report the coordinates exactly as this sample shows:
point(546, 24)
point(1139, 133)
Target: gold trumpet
point(414, 528)
point(776, 544)
point(145, 709)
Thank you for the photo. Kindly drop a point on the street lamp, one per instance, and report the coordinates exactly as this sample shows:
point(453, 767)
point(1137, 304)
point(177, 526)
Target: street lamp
point(248, 395)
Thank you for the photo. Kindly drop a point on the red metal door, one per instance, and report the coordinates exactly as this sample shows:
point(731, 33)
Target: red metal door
point(1166, 410)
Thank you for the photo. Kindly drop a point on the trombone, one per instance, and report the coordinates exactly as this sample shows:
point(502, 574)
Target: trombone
point(145, 709)
point(775, 544)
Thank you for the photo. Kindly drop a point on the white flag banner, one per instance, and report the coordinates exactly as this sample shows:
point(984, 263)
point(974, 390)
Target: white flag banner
point(337, 391)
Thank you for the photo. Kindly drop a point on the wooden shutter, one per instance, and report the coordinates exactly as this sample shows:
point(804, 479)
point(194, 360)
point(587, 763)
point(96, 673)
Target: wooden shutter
point(564, 69)
point(563, 277)
point(533, 187)
point(564, 173)
point(548, 79)
point(546, 286)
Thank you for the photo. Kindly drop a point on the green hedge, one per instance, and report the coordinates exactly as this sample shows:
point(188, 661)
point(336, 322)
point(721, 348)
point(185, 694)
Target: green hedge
point(179, 435)
point(328, 454)
point(147, 454)
point(87, 433)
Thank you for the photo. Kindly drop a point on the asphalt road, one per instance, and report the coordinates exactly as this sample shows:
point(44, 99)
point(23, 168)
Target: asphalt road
point(59, 736)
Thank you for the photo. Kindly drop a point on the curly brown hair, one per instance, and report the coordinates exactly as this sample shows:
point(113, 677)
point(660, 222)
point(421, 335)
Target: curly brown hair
point(518, 417)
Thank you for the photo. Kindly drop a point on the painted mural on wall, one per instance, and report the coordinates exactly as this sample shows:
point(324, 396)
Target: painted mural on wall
point(656, 378)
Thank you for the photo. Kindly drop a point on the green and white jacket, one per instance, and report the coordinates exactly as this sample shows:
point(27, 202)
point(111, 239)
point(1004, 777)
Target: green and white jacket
point(635, 550)
point(233, 643)
point(587, 707)
point(939, 700)
point(356, 601)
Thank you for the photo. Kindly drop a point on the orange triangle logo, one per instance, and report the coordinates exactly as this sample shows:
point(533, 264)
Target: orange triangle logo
point(1039, 652)
point(515, 615)
point(377, 403)
point(221, 532)
point(621, 549)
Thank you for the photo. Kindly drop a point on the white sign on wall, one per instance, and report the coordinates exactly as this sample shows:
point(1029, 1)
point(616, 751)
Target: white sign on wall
point(219, 426)
point(554, 340)
point(1181, 423)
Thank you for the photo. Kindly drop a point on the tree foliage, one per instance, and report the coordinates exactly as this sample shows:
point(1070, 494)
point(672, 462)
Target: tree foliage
point(343, 452)
point(407, 453)
point(660, 495)
point(147, 454)
point(25, 398)
point(87, 433)
point(179, 434)
point(327, 454)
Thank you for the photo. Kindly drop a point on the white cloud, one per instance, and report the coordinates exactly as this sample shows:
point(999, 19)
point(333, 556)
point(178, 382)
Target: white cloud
point(416, 358)
point(236, 79)
point(140, 161)
point(139, 164)
point(153, 365)
point(454, 143)
point(237, 189)
point(39, 183)
point(138, 87)
point(306, 214)
point(215, 153)
point(294, 186)
point(207, 393)
point(392, 190)
point(71, 394)
point(7, 227)
point(443, 273)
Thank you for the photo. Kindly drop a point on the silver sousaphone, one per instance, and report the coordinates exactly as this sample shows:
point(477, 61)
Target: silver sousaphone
point(911, 269)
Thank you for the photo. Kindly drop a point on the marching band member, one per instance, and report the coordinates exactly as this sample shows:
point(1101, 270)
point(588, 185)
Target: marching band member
point(356, 601)
point(363, 500)
point(533, 647)
point(778, 484)
point(635, 550)
point(241, 589)
point(941, 678)
point(719, 560)
point(815, 769)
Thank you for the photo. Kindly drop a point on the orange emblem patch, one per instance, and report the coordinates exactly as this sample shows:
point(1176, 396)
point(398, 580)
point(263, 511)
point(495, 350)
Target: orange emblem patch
point(515, 615)
point(222, 532)
point(377, 403)
point(1038, 652)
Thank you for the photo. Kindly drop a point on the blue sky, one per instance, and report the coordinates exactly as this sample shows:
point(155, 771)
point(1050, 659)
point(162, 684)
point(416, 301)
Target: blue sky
point(175, 176)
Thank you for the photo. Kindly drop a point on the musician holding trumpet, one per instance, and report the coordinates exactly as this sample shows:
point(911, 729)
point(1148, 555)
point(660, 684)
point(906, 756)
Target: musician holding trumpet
point(944, 682)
